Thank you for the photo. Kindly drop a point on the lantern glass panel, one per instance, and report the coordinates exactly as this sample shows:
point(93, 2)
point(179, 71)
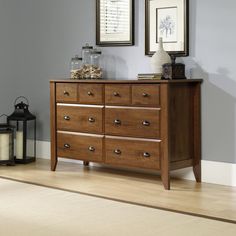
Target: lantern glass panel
point(6, 146)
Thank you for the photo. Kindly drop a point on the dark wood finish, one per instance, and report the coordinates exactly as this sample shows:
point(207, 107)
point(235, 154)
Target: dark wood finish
point(165, 134)
point(66, 92)
point(117, 94)
point(166, 127)
point(132, 122)
point(53, 126)
point(147, 95)
point(197, 132)
point(133, 153)
point(80, 119)
point(91, 93)
point(80, 147)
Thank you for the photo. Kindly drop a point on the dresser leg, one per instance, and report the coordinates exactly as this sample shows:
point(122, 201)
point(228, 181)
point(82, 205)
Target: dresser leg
point(86, 163)
point(197, 172)
point(53, 164)
point(165, 177)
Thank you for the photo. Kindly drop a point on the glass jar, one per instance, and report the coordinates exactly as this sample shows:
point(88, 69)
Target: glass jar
point(75, 67)
point(95, 64)
point(86, 51)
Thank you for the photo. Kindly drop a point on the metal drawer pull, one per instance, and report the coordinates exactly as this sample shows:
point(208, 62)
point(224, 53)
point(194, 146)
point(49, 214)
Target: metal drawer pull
point(117, 122)
point(67, 145)
point(66, 118)
point(145, 95)
point(117, 152)
point(66, 93)
point(91, 149)
point(116, 94)
point(146, 123)
point(146, 154)
point(90, 93)
point(91, 120)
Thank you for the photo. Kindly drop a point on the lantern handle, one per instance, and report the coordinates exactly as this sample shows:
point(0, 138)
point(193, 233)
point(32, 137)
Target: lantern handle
point(3, 115)
point(21, 97)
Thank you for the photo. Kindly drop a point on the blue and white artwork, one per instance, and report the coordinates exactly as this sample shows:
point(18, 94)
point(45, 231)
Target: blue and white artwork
point(167, 24)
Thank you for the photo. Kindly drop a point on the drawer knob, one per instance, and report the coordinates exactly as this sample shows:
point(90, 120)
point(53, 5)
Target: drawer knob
point(67, 145)
point(66, 93)
point(117, 152)
point(66, 118)
point(116, 94)
point(145, 95)
point(91, 120)
point(146, 123)
point(90, 93)
point(146, 154)
point(117, 122)
point(91, 149)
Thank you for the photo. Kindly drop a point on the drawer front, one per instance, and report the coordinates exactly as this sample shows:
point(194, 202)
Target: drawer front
point(118, 94)
point(90, 93)
point(66, 92)
point(132, 122)
point(80, 147)
point(80, 119)
point(148, 95)
point(135, 153)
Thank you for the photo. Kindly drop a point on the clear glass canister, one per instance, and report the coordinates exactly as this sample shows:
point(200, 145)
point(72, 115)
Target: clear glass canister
point(75, 68)
point(95, 64)
point(86, 51)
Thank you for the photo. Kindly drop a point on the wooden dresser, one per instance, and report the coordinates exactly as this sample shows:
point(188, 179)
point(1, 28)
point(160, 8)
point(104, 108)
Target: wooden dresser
point(143, 124)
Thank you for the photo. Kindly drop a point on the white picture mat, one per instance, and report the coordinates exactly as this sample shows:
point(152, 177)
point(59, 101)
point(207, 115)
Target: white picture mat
point(121, 16)
point(154, 5)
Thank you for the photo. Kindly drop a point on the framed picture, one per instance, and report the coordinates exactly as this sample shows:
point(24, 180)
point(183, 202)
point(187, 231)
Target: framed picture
point(115, 22)
point(168, 19)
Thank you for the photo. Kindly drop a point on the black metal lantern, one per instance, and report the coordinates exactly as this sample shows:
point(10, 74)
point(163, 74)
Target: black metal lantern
point(25, 122)
point(6, 144)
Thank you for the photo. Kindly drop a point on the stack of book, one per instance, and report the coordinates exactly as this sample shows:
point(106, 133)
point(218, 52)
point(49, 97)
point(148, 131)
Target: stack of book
point(149, 76)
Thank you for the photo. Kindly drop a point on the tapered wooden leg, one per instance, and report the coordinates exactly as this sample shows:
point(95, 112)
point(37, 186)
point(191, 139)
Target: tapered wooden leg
point(86, 163)
point(53, 164)
point(165, 177)
point(197, 173)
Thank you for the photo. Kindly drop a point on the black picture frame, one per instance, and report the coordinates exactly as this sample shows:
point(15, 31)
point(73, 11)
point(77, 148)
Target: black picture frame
point(175, 47)
point(113, 38)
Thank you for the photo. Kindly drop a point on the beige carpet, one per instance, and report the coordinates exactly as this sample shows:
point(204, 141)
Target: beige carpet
point(214, 201)
point(29, 210)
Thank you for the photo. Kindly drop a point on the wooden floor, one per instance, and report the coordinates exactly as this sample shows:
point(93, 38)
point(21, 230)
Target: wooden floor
point(29, 210)
point(218, 202)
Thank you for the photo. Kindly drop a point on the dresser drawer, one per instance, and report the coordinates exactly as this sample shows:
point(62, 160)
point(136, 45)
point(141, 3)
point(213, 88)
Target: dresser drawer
point(66, 92)
point(132, 122)
point(118, 94)
point(148, 95)
point(80, 146)
point(135, 153)
point(90, 93)
point(80, 118)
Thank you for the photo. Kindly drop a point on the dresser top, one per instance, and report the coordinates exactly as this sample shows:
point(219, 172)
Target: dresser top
point(144, 81)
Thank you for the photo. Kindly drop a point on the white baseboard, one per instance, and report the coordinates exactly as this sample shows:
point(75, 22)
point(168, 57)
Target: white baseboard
point(212, 172)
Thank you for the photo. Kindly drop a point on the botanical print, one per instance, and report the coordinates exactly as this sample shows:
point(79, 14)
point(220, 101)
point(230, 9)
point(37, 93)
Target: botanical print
point(167, 24)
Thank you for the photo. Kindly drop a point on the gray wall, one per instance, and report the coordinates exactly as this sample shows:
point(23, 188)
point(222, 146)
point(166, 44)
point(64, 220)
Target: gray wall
point(38, 39)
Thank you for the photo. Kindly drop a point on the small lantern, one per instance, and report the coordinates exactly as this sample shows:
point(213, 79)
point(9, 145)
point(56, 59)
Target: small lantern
point(6, 144)
point(25, 122)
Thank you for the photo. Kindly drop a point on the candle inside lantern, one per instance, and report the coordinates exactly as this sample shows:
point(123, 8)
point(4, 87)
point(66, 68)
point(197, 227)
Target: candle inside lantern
point(4, 147)
point(19, 145)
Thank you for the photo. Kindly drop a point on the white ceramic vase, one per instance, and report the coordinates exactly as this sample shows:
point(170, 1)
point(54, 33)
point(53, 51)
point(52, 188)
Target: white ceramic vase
point(159, 58)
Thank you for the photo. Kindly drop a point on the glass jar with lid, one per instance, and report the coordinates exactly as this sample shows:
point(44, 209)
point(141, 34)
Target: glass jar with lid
point(95, 64)
point(75, 67)
point(86, 51)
